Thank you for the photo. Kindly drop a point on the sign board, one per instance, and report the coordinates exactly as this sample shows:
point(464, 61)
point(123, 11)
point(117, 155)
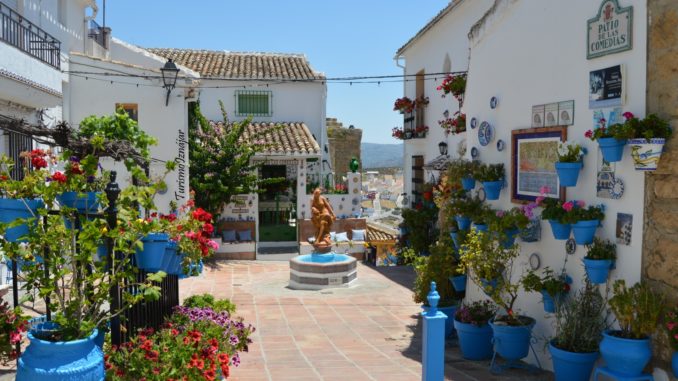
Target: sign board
point(606, 87)
point(611, 31)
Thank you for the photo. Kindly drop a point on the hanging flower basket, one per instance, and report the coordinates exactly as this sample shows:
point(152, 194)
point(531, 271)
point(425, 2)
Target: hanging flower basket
point(463, 222)
point(612, 149)
point(584, 231)
point(459, 282)
point(597, 270)
point(493, 189)
point(84, 203)
point(560, 231)
point(646, 154)
point(468, 183)
point(151, 257)
point(568, 173)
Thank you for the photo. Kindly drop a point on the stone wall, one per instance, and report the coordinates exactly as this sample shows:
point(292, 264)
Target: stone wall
point(660, 241)
point(344, 144)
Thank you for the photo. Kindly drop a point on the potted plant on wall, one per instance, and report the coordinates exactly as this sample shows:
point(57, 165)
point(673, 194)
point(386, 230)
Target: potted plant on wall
point(627, 351)
point(671, 325)
point(598, 260)
point(611, 140)
point(397, 133)
point(455, 85)
point(554, 213)
point(507, 224)
point(647, 140)
point(420, 131)
point(462, 170)
point(492, 177)
point(475, 334)
point(454, 125)
point(579, 323)
point(404, 105)
point(466, 209)
point(570, 162)
point(552, 287)
point(584, 220)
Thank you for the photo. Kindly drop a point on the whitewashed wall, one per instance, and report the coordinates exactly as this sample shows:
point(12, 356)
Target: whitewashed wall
point(343, 204)
point(530, 53)
point(448, 38)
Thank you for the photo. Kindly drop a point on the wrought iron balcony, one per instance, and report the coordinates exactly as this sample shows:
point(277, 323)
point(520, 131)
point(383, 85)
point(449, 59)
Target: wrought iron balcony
point(15, 30)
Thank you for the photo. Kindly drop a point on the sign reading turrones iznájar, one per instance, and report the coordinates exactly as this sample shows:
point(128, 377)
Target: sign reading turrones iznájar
point(611, 31)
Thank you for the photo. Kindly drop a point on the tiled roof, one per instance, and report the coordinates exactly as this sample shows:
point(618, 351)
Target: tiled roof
point(211, 63)
point(287, 139)
point(429, 25)
point(375, 234)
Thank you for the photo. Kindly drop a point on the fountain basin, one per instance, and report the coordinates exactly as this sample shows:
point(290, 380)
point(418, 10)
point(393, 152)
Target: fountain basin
point(321, 271)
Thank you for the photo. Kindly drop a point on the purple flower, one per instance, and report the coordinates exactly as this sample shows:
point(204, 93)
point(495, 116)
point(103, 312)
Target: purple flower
point(233, 340)
point(236, 360)
point(74, 159)
point(90, 179)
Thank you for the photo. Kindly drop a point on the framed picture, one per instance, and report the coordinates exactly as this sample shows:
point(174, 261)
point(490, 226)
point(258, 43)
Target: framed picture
point(606, 87)
point(534, 152)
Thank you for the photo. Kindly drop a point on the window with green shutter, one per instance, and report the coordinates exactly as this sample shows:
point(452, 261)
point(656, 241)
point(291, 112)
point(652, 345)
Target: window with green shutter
point(253, 103)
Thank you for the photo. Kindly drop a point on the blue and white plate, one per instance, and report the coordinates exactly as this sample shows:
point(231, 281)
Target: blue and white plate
point(617, 189)
point(474, 123)
point(500, 145)
point(474, 152)
point(493, 102)
point(485, 134)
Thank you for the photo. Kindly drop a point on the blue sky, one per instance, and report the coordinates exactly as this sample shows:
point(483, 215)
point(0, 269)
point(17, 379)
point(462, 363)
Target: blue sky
point(339, 37)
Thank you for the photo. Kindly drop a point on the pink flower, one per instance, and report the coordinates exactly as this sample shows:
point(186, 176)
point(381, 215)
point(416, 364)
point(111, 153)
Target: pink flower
point(213, 245)
point(602, 121)
point(500, 213)
point(675, 336)
point(14, 337)
point(581, 203)
point(544, 190)
point(671, 325)
point(568, 206)
point(539, 199)
point(588, 134)
point(627, 115)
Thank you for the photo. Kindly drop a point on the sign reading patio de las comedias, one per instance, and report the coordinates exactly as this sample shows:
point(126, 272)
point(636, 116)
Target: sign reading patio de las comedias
point(611, 31)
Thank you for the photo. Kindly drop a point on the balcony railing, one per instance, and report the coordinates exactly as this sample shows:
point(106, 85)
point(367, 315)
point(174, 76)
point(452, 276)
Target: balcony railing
point(98, 33)
point(27, 37)
point(411, 121)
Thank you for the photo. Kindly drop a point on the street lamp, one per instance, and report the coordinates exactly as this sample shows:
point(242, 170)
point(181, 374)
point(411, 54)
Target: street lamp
point(169, 77)
point(442, 146)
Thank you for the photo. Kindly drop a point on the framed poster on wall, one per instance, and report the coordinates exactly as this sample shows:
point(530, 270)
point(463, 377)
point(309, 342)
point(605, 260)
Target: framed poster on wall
point(534, 152)
point(606, 87)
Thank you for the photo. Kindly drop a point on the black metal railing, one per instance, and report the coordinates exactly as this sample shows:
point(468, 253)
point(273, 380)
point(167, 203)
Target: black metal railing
point(18, 143)
point(27, 37)
point(412, 120)
point(97, 33)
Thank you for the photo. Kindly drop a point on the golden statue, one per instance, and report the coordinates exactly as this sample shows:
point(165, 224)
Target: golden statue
point(322, 217)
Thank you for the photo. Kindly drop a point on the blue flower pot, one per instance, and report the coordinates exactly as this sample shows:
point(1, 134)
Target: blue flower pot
point(455, 238)
point(151, 257)
point(510, 237)
point(85, 203)
point(487, 284)
point(459, 282)
point(512, 342)
point(169, 257)
point(475, 341)
point(13, 209)
point(61, 361)
point(449, 322)
point(560, 231)
point(627, 357)
point(468, 183)
point(463, 222)
point(568, 173)
point(584, 231)
point(176, 264)
point(549, 302)
point(571, 366)
point(480, 227)
point(194, 269)
point(597, 270)
point(674, 363)
point(611, 148)
point(492, 189)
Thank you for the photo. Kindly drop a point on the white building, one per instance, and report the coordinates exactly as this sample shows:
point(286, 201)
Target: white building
point(526, 54)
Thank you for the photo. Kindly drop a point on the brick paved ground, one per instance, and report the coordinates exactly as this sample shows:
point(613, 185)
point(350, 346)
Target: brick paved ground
point(367, 332)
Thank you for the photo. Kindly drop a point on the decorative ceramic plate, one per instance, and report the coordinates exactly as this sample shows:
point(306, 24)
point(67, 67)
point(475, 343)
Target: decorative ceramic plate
point(570, 246)
point(617, 189)
point(481, 194)
point(535, 261)
point(493, 102)
point(500, 145)
point(485, 134)
point(474, 122)
point(474, 152)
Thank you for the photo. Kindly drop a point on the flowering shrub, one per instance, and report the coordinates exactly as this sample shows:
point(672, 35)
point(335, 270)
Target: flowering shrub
point(514, 218)
point(553, 284)
point(421, 130)
point(672, 327)
point(398, 133)
point(12, 325)
point(453, 84)
point(650, 127)
point(197, 343)
point(34, 181)
point(576, 211)
point(570, 152)
point(454, 125)
point(477, 313)
point(421, 102)
point(404, 105)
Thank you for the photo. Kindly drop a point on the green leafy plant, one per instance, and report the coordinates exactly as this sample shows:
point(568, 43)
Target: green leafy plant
point(439, 266)
point(460, 168)
point(487, 260)
point(637, 309)
point(648, 128)
point(552, 209)
point(220, 159)
point(207, 300)
point(576, 211)
point(471, 207)
point(550, 282)
point(601, 249)
point(489, 172)
point(420, 224)
point(453, 84)
point(617, 131)
point(580, 321)
point(502, 221)
point(569, 152)
point(477, 313)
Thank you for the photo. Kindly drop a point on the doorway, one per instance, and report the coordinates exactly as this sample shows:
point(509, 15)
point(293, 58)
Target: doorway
point(278, 204)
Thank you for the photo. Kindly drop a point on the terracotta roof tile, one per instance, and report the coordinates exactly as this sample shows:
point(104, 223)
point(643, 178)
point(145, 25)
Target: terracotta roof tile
point(291, 138)
point(210, 63)
point(375, 234)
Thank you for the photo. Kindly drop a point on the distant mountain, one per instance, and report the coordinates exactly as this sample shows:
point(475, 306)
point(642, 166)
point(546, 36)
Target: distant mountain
point(374, 155)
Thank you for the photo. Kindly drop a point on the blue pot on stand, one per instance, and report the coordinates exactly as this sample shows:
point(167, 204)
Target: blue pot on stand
point(571, 366)
point(492, 189)
point(549, 302)
point(512, 343)
point(13, 209)
point(468, 183)
point(151, 257)
point(597, 270)
point(459, 282)
point(568, 173)
point(455, 238)
point(84, 203)
point(612, 149)
point(626, 357)
point(560, 231)
point(463, 222)
point(475, 341)
point(61, 361)
point(480, 227)
point(584, 231)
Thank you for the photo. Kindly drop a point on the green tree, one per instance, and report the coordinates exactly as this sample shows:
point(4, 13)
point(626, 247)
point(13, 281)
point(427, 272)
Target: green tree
point(220, 157)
